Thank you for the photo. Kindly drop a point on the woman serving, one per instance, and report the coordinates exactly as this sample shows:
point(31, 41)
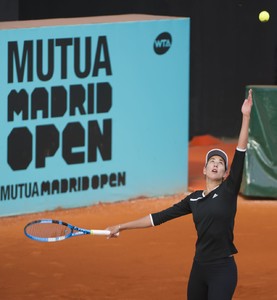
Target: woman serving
point(214, 272)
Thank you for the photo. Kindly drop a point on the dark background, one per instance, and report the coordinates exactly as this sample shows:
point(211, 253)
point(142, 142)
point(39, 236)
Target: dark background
point(230, 48)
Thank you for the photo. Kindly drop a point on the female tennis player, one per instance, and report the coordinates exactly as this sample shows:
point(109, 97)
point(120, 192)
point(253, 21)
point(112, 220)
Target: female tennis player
point(214, 273)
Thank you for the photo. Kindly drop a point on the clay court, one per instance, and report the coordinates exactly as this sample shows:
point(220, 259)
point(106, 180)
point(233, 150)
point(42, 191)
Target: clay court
point(143, 264)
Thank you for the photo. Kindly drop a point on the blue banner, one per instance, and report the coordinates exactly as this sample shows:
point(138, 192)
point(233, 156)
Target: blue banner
point(93, 112)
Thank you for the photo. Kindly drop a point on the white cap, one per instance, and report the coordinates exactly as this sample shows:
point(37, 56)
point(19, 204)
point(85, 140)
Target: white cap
point(217, 152)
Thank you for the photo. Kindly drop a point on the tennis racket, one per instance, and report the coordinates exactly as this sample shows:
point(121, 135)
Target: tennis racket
point(48, 230)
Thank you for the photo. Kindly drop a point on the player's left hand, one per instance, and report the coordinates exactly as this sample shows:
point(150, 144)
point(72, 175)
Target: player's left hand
point(247, 104)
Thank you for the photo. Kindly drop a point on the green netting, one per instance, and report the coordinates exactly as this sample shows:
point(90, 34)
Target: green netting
point(260, 169)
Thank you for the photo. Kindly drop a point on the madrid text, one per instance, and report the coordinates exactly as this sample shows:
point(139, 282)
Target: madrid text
point(63, 185)
point(33, 63)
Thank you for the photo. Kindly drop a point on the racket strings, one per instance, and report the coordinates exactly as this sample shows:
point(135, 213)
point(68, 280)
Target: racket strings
point(48, 230)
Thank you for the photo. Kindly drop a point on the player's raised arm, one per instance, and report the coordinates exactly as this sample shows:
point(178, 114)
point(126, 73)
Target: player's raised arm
point(246, 112)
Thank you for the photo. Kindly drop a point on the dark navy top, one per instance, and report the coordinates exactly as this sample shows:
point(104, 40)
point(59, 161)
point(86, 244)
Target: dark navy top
point(213, 215)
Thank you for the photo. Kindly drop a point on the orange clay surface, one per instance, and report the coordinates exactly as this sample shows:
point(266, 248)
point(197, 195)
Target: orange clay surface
point(145, 264)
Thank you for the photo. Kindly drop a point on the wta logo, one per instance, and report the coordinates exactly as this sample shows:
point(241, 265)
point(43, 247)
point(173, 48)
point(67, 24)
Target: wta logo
point(162, 43)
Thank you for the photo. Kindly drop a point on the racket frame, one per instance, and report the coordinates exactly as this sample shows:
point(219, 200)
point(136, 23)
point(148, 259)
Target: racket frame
point(74, 231)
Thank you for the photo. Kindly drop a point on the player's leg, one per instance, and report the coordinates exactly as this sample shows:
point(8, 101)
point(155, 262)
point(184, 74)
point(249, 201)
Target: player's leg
point(222, 280)
point(197, 287)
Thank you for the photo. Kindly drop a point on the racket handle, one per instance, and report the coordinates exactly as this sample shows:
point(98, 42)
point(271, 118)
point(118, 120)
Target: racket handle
point(101, 232)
